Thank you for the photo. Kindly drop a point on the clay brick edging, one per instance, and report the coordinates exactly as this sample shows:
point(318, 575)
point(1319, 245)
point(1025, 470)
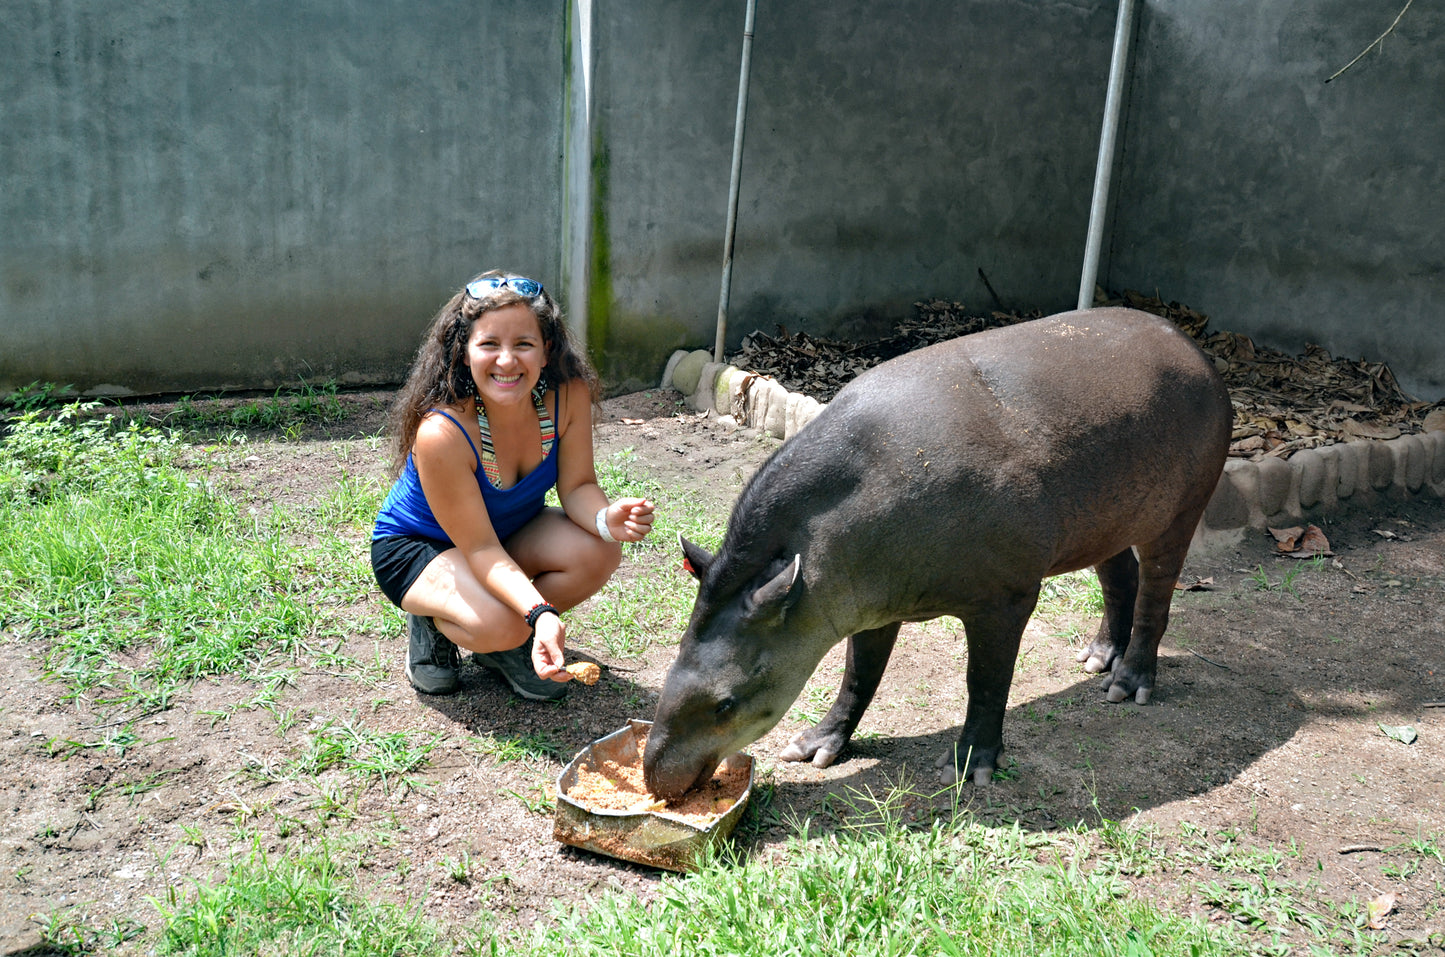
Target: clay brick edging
point(1250, 495)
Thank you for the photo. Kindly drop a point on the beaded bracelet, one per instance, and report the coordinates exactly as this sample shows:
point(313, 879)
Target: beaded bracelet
point(537, 611)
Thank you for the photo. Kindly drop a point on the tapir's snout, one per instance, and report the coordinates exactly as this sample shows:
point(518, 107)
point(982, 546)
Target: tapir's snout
point(669, 770)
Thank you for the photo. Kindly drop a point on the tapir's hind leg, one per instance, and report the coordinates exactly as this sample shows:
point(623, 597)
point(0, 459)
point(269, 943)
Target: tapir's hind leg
point(868, 653)
point(1119, 580)
point(1160, 562)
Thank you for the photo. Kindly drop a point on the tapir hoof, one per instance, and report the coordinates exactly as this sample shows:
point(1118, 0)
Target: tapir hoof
point(1118, 693)
point(1095, 659)
point(800, 749)
point(981, 773)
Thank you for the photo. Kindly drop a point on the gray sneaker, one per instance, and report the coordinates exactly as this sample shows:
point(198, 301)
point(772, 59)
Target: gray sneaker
point(515, 665)
point(431, 659)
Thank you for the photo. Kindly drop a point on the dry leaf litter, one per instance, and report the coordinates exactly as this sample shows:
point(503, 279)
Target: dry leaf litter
point(1282, 403)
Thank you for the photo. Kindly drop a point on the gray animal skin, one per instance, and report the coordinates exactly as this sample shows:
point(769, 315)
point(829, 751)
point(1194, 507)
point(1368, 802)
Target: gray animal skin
point(951, 481)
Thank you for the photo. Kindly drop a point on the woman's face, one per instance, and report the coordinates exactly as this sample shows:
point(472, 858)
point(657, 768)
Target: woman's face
point(506, 353)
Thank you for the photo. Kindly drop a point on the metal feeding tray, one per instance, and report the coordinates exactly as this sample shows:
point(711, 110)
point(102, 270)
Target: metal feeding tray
point(658, 838)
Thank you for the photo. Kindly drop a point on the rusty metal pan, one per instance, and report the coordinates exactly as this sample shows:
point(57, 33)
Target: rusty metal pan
point(655, 838)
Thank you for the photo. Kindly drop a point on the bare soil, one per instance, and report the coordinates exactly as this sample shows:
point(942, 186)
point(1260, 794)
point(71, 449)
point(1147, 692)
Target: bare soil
point(1266, 722)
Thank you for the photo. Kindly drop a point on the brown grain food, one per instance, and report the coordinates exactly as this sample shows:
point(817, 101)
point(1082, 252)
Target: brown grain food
point(608, 785)
point(585, 672)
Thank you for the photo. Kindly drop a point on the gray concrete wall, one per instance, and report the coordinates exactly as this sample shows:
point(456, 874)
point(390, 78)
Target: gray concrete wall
point(207, 194)
point(1282, 206)
point(204, 195)
point(891, 153)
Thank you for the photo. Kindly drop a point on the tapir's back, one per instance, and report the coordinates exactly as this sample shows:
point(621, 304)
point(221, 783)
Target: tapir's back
point(1076, 433)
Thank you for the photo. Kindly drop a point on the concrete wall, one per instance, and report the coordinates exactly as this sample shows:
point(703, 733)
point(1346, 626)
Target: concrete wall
point(1285, 207)
point(204, 195)
point(209, 194)
point(891, 153)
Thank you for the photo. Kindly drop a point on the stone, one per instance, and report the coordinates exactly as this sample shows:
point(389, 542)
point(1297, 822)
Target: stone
point(1352, 457)
point(802, 409)
point(1229, 506)
point(727, 387)
point(1409, 452)
point(702, 397)
point(1311, 468)
point(1437, 463)
point(775, 417)
point(1278, 488)
point(687, 370)
point(1330, 485)
point(1381, 465)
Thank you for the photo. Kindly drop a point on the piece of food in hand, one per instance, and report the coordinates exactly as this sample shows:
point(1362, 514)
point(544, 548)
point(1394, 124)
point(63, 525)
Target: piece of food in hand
point(585, 672)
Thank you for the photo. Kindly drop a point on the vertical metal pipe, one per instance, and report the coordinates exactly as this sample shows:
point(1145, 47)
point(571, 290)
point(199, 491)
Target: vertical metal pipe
point(1113, 102)
point(577, 171)
point(735, 178)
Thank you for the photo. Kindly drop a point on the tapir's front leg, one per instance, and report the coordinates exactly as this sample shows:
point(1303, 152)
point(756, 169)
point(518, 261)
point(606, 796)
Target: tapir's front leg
point(993, 633)
point(868, 653)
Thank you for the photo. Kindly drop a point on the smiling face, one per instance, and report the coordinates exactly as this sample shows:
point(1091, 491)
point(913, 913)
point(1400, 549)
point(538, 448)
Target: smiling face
point(506, 353)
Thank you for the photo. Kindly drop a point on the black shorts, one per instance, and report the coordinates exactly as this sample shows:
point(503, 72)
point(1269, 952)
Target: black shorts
point(397, 561)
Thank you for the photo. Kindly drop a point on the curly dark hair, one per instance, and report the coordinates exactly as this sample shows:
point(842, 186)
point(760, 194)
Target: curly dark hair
point(440, 376)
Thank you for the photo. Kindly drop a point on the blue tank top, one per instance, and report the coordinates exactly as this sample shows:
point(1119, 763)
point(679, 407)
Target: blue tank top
point(406, 512)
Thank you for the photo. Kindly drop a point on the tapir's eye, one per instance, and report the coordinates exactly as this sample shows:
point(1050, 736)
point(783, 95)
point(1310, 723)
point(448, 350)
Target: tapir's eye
point(723, 707)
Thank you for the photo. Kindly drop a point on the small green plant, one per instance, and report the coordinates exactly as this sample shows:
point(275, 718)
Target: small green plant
point(1262, 581)
point(36, 396)
point(537, 799)
point(534, 746)
point(458, 868)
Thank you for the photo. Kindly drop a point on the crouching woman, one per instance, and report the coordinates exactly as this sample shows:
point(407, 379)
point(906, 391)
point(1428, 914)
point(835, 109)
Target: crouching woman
point(497, 410)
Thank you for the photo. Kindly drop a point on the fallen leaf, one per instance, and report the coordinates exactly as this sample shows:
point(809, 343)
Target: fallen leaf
point(1311, 544)
point(634, 421)
point(1380, 908)
point(1198, 584)
point(1401, 733)
point(1384, 533)
point(1287, 539)
point(1366, 430)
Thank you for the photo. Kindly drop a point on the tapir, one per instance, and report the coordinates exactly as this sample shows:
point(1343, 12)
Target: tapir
point(951, 480)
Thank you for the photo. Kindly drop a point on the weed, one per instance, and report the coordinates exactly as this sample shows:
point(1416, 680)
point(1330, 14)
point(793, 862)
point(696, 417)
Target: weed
point(36, 396)
point(458, 868)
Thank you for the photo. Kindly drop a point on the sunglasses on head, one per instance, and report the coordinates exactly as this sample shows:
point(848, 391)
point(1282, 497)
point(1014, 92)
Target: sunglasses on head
point(482, 288)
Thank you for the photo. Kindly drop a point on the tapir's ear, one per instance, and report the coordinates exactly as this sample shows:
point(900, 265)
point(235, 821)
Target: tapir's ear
point(695, 558)
point(771, 598)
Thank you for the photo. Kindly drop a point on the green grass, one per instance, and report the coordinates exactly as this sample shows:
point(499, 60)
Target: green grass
point(141, 577)
point(291, 906)
point(138, 577)
point(1072, 593)
point(877, 886)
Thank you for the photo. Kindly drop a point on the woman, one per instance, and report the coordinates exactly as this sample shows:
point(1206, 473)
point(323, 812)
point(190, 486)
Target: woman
point(496, 411)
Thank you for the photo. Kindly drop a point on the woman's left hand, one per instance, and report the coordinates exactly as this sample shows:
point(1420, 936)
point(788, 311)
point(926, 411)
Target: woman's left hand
point(630, 519)
point(549, 648)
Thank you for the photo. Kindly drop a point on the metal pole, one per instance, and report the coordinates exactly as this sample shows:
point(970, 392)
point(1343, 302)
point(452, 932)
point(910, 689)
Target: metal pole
point(1118, 67)
point(737, 168)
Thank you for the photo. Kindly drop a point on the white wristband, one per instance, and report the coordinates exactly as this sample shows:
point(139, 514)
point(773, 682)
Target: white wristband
point(602, 530)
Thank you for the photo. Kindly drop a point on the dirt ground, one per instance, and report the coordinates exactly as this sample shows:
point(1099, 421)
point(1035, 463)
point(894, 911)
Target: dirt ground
point(1266, 722)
